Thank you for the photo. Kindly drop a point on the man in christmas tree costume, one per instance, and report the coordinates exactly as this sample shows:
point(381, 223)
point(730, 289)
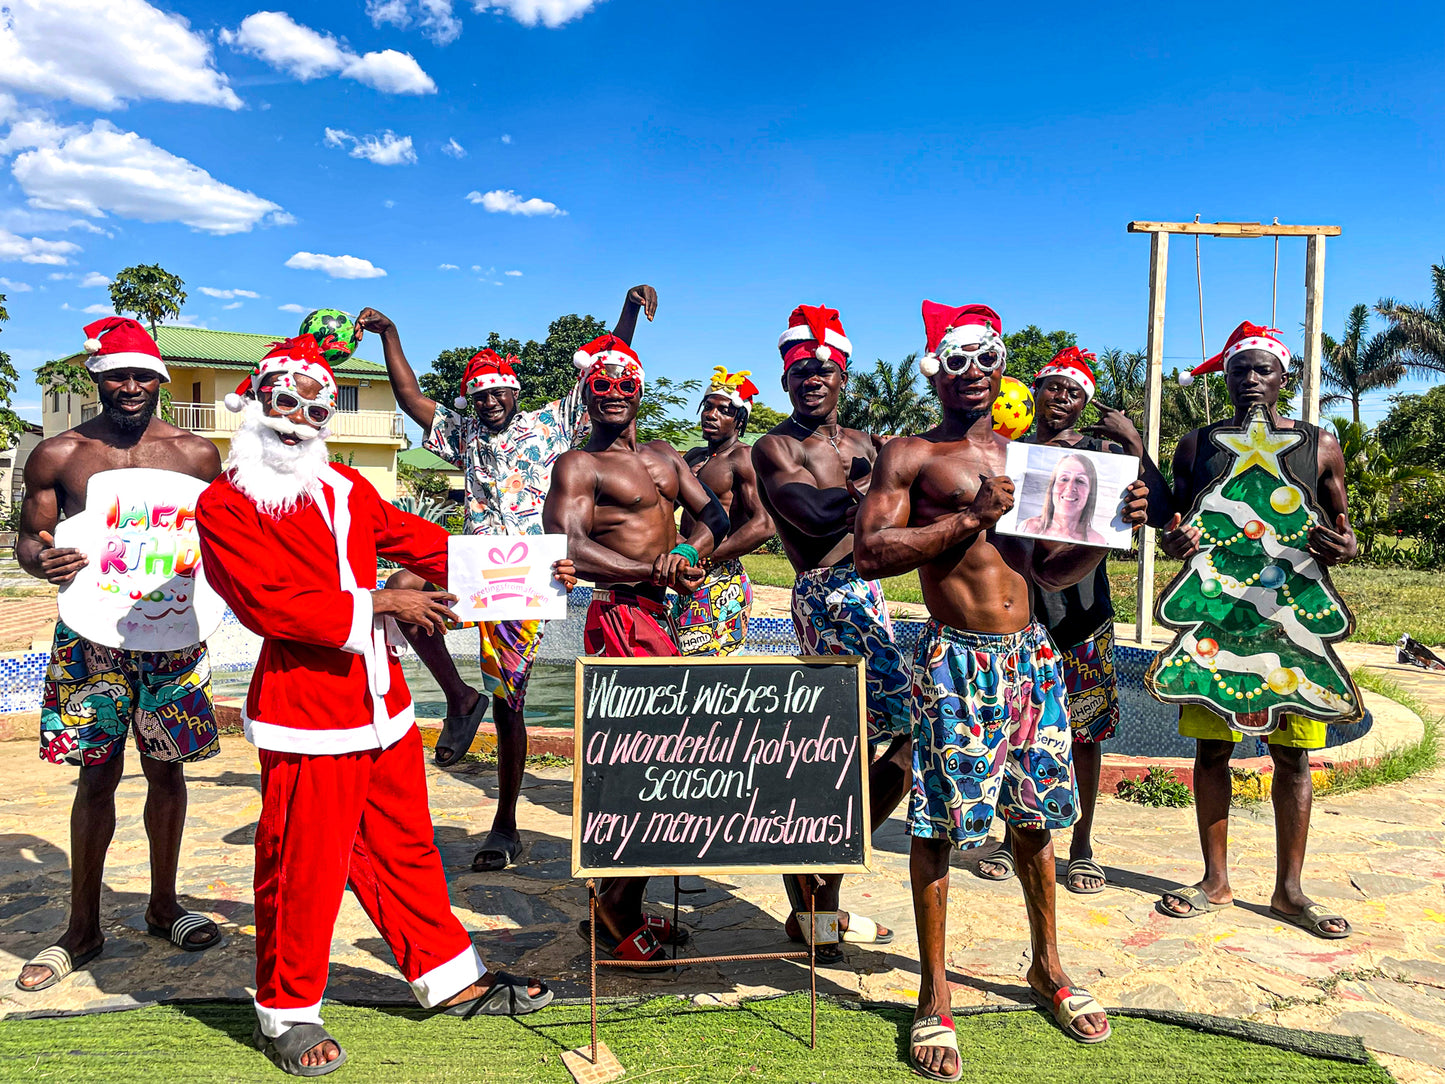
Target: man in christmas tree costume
point(713, 620)
point(990, 719)
point(1284, 614)
point(507, 456)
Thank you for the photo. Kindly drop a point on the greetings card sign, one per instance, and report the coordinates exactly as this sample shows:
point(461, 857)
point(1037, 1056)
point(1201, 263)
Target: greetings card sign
point(1069, 495)
point(144, 588)
point(506, 577)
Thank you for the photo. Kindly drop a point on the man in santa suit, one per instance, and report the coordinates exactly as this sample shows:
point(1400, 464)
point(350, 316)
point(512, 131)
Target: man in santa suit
point(291, 542)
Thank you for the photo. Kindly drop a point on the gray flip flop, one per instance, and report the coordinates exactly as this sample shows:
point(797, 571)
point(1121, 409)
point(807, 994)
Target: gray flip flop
point(1313, 918)
point(507, 997)
point(1085, 867)
point(286, 1049)
point(1001, 857)
point(1199, 903)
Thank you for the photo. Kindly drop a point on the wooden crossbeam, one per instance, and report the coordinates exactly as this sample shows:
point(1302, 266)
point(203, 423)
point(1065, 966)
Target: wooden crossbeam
point(1235, 229)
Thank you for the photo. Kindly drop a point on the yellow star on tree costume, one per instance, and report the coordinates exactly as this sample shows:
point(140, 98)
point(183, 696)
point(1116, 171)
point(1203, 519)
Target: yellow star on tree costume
point(1257, 445)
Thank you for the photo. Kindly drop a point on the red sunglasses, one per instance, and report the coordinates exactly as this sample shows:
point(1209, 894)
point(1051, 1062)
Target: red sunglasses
point(602, 385)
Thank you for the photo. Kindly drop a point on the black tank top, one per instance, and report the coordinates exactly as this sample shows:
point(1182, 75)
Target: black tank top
point(1302, 461)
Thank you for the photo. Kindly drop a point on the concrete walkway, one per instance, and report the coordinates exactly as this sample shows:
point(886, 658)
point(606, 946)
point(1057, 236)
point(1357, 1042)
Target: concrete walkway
point(1379, 856)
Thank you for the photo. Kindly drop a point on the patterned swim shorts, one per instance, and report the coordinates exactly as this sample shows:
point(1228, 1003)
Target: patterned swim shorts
point(837, 612)
point(713, 620)
point(508, 649)
point(94, 694)
point(990, 733)
point(1092, 687)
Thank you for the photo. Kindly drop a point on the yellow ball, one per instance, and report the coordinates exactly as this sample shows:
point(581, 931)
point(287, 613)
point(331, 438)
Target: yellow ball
point(1282, 681)
point(1013, 410)
point(1285, 500)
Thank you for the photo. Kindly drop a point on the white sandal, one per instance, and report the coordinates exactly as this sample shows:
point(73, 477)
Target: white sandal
point(60, 962)
point(935, 1032)
point(1070, 1004)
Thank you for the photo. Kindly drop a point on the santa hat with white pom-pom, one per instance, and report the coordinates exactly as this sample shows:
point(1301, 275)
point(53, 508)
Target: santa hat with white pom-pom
point(118, 342)
point(1246, 336)
point(814, 331)
point(487, 369)
point(608, 354)
point(291, 357)
point(966, 329)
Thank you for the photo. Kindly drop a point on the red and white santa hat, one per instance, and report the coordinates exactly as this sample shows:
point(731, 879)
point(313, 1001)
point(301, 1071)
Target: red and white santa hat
point(607, 354)
point(1071, 363)
point(966, 328)
point(487, 369)
point(118, 342)
point(814, 331)
point(299, 356)
point(1246, 336)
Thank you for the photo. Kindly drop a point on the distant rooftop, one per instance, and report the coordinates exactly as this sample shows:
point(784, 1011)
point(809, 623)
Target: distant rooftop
point(423, 459)
point(232, 350)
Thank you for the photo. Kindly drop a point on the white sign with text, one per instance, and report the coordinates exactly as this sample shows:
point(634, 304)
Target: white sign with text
point(506, 577)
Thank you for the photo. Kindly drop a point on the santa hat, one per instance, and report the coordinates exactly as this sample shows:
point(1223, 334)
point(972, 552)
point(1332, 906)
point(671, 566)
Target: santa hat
point(950, 329)
point(1071, 363)
point(118, 342)
point(814, 331)
point(1246, 336)
point(299, 356)
point(607, 354)
point(736, 387)
point(487, 369)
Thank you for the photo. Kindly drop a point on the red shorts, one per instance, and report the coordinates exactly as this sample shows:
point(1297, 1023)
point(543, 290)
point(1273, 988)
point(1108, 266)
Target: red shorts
point(622, 624)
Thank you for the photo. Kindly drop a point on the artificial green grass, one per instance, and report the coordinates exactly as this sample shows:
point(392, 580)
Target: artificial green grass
point(1402, 762)
point(664, 1040)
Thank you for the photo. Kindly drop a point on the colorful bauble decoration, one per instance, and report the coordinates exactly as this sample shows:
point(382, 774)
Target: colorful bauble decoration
point(1282, 681)
point(1206, 648)
point(1271, 576)
point(334, 331)
point(1211, 588)
point(1285, 500)
point(1013, 410)
point(1254, 529)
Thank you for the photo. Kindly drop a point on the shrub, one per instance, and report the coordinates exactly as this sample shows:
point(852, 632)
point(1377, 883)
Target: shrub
point(1158, 788)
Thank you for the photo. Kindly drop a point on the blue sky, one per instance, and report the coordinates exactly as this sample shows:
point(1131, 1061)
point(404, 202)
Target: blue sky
point(743, 158)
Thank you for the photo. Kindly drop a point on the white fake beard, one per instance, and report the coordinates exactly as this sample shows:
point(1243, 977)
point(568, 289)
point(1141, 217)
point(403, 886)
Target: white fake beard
point(277, 476)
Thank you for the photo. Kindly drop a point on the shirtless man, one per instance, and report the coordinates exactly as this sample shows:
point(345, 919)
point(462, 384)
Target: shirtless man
point(990, 721)
point(1254, 363)
point(128, 372)
point(812, 473)
point(713, 620)
point(615, 502)
point(506, 455)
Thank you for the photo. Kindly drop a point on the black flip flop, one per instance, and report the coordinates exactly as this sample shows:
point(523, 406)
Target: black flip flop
point(286, 1049)
point(61, 964)
point(181, 930)
point(507, 997)
point(509, 847)
point(458, 732)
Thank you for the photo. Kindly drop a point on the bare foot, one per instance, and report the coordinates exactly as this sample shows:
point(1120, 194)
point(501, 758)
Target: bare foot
point(323, 1053)
point(794, 928)
point(936, 1059)
point(32, 975)
point(1215, 893)
point(1091, 1024)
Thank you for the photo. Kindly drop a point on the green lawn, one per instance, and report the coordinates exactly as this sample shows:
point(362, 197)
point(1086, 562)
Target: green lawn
point(664, 1040)
point(1385, 601)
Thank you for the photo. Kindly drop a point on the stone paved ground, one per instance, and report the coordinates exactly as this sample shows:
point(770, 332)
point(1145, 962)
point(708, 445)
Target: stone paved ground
point(1377, 855)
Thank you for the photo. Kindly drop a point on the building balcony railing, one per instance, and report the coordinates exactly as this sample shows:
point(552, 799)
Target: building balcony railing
point(214, 418)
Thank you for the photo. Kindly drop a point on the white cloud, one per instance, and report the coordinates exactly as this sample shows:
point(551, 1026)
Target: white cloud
point(56, 276)
point(288, 46)
point(338, 267)
point(291, 306)
point(453, 148)
point(92, 171)
point(224, 295)
point(233, 305)
point(506, 138)
point(388, 203)
point(14, 287)
point(550, 13)
point(35, 249)
point(94, 278)
point(476, 267)
point(513, 274)
point(448, 267)
point(104, 53)
point(384, 149)
point(90, 310)
point(508, 202)
point(433, 17)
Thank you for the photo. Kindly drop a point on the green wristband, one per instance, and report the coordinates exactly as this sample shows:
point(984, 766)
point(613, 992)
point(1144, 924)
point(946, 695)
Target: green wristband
point(682, 549)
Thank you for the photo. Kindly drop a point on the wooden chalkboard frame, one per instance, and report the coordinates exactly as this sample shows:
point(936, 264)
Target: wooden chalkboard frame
point(579, 870)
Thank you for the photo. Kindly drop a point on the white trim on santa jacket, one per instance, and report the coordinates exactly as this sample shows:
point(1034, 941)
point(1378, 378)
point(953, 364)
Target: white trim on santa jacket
point(294, 739)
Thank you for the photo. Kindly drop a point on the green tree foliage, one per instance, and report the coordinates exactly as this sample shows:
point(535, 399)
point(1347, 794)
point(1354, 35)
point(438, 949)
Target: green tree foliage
point(11, 424)
point(421, 483)
point(657, 417)
point(149, 291)
point(890, 400)
point(1359, 363)
point(1418, 419)
point(1419, 330)
point(1030, 349)
point(1119, 376)
point(763, 417)
point(1382, 473)
point(544, 369)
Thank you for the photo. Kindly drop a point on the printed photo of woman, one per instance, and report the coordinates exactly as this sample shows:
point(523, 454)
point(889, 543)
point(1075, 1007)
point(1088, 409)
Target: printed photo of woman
point(1068, 504)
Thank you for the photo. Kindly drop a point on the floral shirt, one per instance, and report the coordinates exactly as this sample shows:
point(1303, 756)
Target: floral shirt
point(508, 473)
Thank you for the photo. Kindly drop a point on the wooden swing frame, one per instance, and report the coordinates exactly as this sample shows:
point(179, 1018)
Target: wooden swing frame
point(1154, 379)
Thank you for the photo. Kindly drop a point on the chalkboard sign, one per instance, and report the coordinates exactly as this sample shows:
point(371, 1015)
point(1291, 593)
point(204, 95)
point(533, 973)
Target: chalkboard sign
point(739, 765)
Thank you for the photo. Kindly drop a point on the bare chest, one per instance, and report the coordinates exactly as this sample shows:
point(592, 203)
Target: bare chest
point(634, 481)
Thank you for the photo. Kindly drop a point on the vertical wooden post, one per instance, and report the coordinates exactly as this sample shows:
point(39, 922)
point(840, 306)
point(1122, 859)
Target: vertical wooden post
point(1153, 392)
point(1314, 327)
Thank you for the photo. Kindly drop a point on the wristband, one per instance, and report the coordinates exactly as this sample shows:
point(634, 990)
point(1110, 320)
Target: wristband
point(682, 549)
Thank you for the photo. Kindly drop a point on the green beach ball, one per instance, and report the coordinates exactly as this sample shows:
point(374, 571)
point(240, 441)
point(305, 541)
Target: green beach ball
point(334, 331)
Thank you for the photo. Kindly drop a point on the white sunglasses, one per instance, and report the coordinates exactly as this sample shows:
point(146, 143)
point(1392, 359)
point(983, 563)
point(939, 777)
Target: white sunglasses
point(988, 359)
point(318, 411)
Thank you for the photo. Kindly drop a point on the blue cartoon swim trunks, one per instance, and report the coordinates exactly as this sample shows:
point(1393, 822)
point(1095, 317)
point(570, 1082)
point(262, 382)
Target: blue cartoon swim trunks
point(990, 735)
point(837, 612)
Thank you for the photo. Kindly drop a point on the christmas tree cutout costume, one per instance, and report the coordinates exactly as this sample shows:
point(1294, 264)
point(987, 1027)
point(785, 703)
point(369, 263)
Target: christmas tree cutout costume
point(1254, 615)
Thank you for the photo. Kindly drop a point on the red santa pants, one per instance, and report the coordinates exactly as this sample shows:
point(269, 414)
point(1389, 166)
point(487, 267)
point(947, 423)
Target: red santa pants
point(360, 819)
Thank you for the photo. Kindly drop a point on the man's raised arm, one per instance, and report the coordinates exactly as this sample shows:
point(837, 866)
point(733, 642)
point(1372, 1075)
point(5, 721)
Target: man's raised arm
point(571, 502)
point(409, 397)
point(639, 299)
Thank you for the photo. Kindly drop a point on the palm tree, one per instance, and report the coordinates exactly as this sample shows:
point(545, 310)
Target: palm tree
point(1380, 474)
point(1356, 365)
point(887, 400)
point(1120, 378)
point(1419, 330)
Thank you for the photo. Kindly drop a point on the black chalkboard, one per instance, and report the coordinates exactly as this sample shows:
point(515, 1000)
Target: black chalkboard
point(738, 765)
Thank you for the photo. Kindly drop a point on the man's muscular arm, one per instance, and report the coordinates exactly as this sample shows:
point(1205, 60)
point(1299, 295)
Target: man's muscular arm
point(202, 458)
point(409, 397)
point(709, 524)
point(1059, 565)
point(757, 526)
point(639, 299)
point(39, 514)
point(794, 491)
point(884, 544)
point(571, 502)
point(1179, 541)
point(1332, 542)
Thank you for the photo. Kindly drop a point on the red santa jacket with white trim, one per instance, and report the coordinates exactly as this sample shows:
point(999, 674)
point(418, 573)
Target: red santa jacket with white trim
point(325, 681)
